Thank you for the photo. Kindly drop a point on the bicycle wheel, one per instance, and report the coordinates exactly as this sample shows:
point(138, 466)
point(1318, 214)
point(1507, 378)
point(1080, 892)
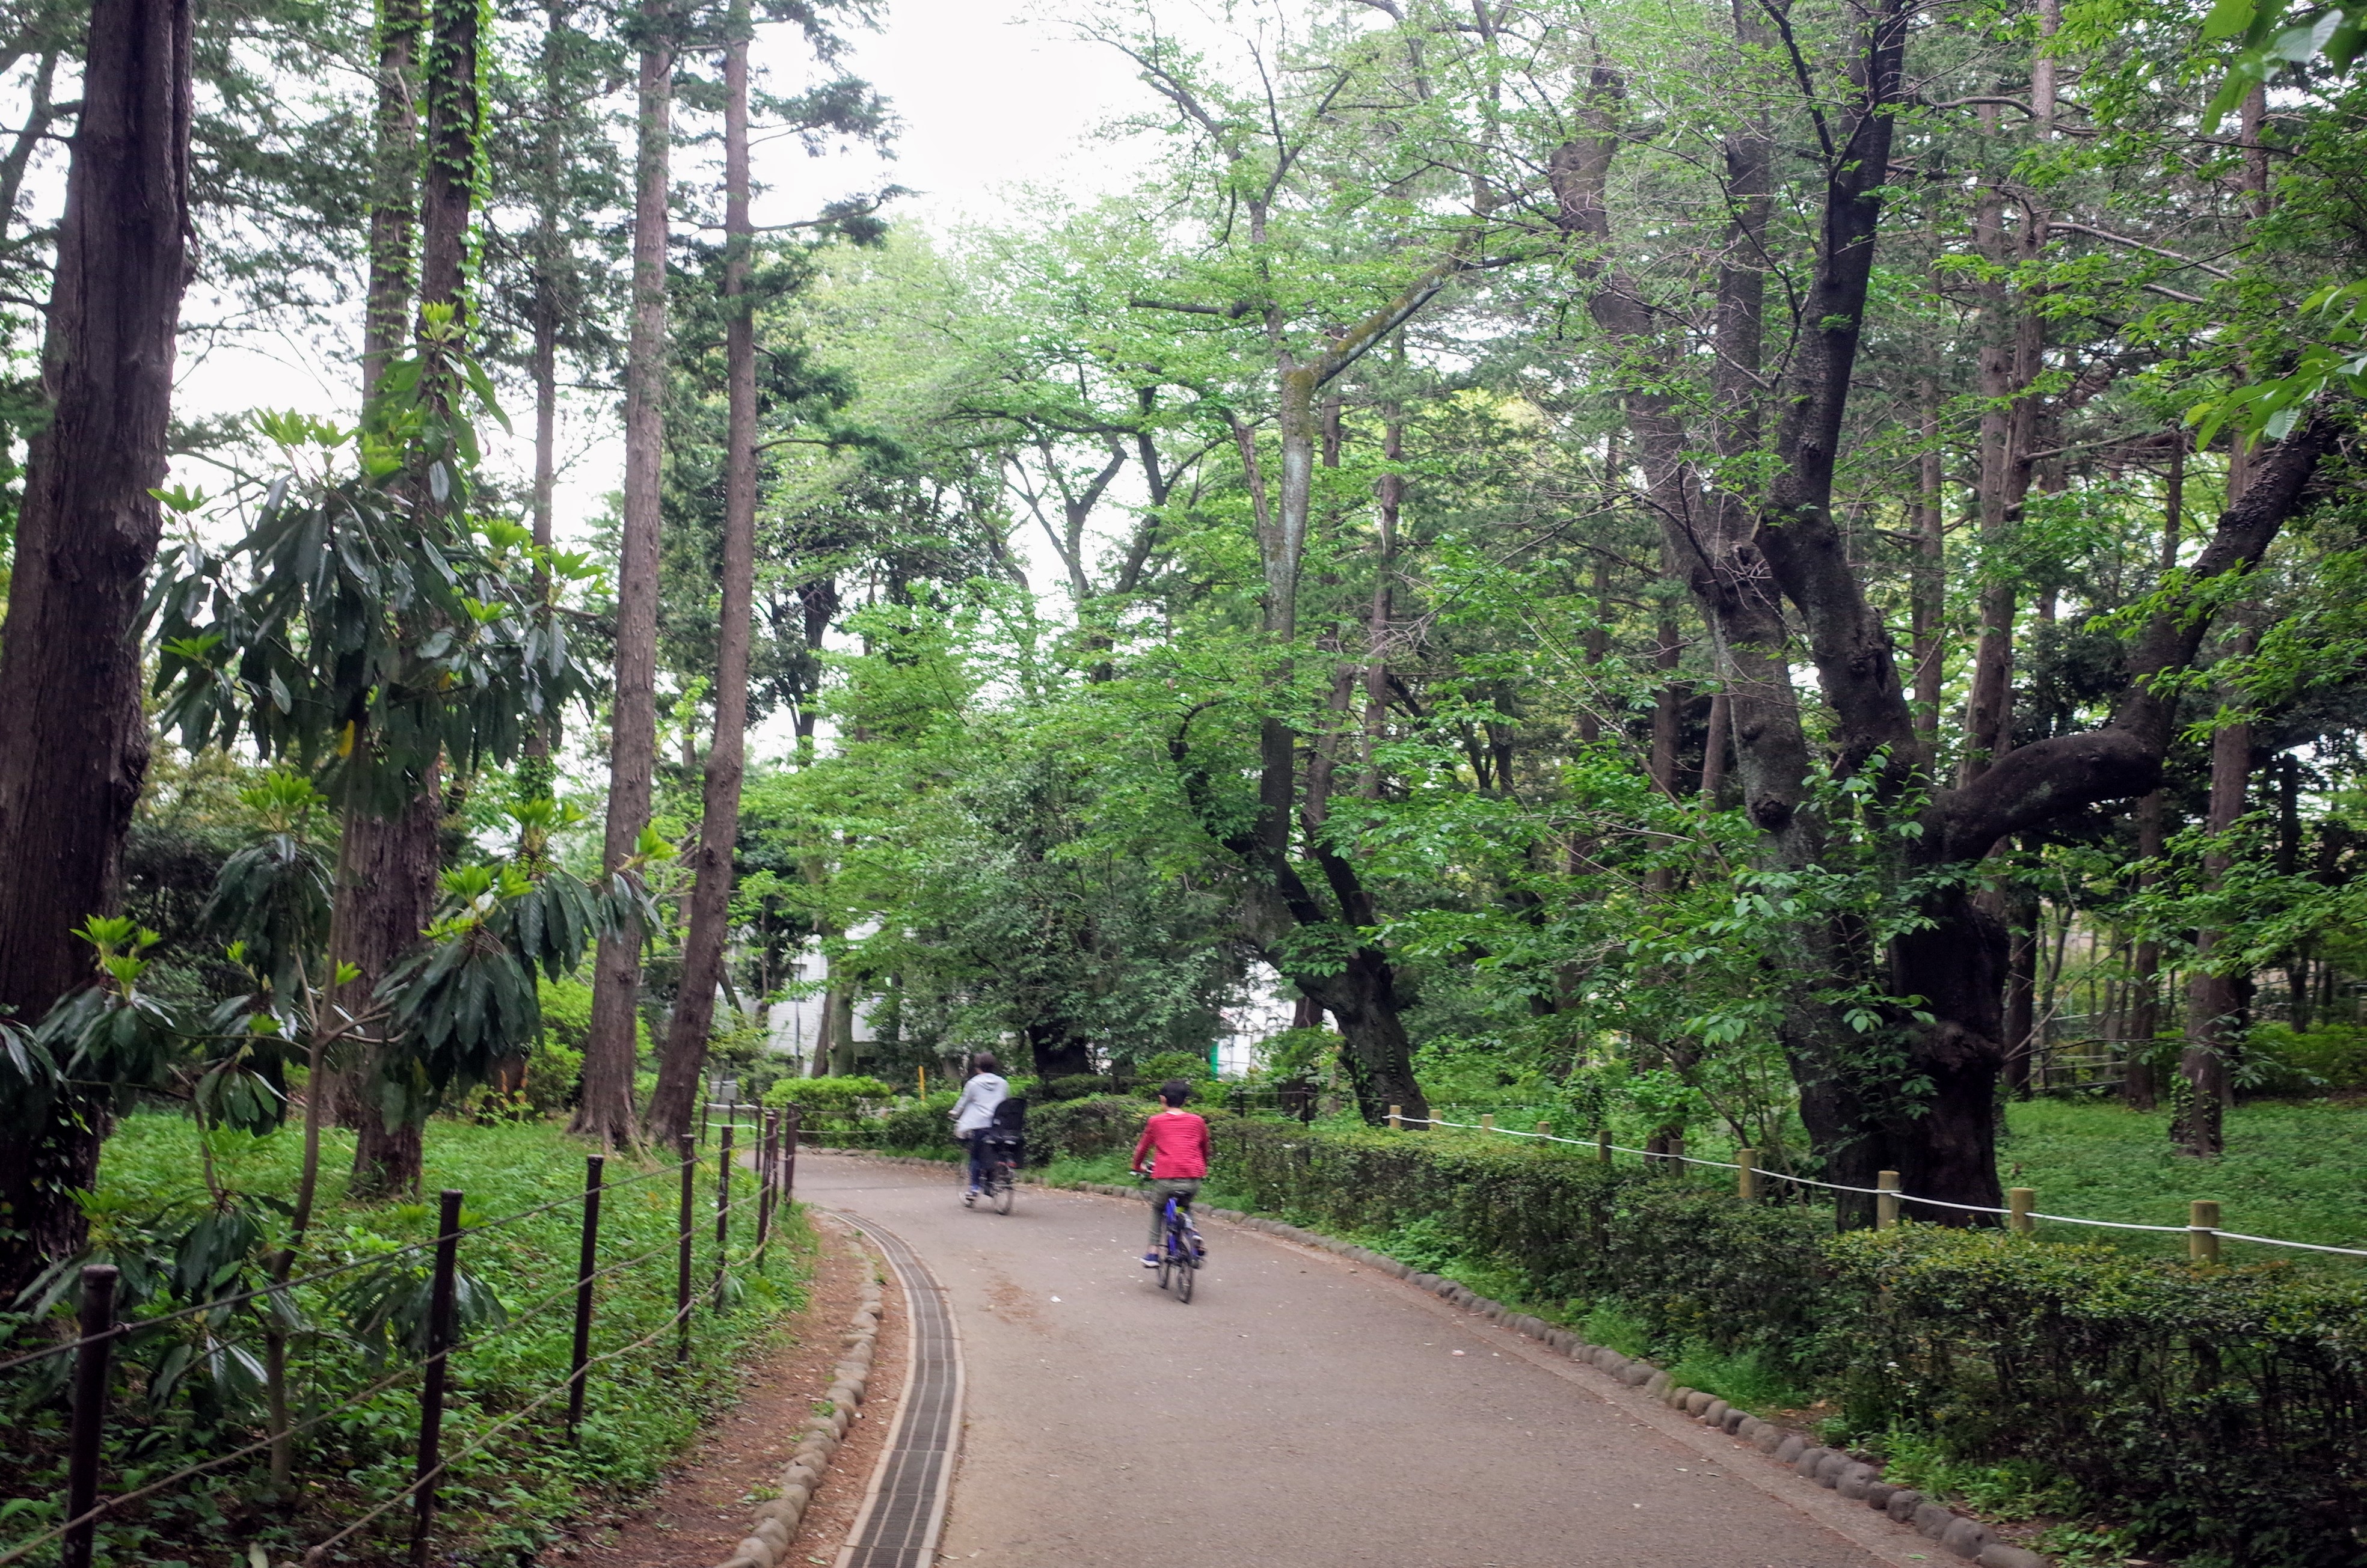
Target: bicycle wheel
point(1005, 1180)
point(1185, 1271)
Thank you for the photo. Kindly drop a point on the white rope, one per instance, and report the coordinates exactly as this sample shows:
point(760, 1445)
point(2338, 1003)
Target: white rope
point(1889, 1193)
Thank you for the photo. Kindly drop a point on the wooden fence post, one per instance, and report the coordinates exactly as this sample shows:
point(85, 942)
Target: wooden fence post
point(439, 1357)
point(1885, 1201)
point(92, 1364)
point(1396, 1119)
point(1603, 1145)
point(585, 1260)
point(1746, 1174)
point(2019, 1202)
point(1545, 1129)
point(1487, 1121)
point(2203, 1230)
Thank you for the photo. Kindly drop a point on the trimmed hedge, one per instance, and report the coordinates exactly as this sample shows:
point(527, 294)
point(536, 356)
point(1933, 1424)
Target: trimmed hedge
point(2220, 1413)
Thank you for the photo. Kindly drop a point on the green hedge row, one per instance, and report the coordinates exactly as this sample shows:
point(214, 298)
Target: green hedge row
point(2221, 1412)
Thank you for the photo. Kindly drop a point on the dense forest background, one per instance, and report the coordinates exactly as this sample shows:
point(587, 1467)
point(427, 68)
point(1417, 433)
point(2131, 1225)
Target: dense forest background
point(1791, 569)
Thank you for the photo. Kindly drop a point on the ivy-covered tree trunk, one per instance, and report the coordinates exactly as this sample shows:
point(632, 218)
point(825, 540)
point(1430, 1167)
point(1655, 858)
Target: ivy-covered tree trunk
point(392, 887)
point(73, 741)
point(685, 1056)
point(607, 1109)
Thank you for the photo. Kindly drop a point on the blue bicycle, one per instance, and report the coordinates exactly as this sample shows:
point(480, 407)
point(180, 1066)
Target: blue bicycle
point(1183, 1253)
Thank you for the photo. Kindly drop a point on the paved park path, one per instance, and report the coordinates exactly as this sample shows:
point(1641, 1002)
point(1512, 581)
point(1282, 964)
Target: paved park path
point(1302, 1410)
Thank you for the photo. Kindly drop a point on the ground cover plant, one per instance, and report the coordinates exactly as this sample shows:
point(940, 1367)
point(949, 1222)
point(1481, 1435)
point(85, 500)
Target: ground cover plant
point(193, 1389)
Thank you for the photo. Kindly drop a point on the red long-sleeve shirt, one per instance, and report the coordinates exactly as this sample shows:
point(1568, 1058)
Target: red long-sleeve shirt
point(1179, 1140)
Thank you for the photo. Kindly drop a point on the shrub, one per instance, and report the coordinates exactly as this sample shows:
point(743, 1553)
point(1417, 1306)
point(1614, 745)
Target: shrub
point(2221, 1408)
point(2332, 1055)
point(1078, 1086)
point(1083, 1129)
point(831, 1102)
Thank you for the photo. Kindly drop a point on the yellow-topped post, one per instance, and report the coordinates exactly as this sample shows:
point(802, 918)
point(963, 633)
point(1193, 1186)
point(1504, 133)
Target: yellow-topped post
point(2203, 1230)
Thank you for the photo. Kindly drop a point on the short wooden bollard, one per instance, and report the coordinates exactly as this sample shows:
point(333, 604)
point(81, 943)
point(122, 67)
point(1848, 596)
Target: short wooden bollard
point(1746, 1174)
point(685, 1222)
point(586, 1257)
point(1545, 1129)
point(2203, 1230)
point(722, 1214)
point(1487, 1121)
point(431, 1392)
point(1396, 1119)
point(1886, 1200)
point(1603, 1145)
point(93, 1364)
point(2019, 1202)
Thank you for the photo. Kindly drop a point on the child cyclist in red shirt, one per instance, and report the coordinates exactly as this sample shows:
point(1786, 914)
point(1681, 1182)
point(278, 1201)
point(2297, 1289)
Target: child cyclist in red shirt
point(1174, 1153)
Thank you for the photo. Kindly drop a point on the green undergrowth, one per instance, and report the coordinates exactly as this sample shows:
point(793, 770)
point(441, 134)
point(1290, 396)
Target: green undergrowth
point(2296, 1170)
point(192, 1389)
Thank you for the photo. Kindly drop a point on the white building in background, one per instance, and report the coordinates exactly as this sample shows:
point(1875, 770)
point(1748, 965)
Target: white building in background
point(795, 1025)
point(1268, 1004)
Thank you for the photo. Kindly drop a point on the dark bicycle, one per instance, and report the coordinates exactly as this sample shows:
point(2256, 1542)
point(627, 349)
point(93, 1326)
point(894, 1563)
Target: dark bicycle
point(1006, 1151)
point(1182, 1252)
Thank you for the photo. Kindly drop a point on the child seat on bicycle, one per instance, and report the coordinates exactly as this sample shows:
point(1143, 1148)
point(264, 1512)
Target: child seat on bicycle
point(1173, 1152)
point(1007, 1134)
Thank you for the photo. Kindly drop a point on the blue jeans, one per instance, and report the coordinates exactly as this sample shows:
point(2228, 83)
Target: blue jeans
point(980, 1152)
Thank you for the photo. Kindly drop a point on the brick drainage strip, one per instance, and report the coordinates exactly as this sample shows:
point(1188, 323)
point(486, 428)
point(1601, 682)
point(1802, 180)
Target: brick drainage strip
point(1842, 1472)
point(778, 1520)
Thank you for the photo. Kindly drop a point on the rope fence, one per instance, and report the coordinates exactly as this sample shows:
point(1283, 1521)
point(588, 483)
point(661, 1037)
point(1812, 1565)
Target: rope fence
point(774, 1150)
point(2202, 1230)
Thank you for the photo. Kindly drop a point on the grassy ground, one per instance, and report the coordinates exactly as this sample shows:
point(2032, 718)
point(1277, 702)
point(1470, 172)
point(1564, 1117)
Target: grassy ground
point(499, 1499)
point(2293, 1170)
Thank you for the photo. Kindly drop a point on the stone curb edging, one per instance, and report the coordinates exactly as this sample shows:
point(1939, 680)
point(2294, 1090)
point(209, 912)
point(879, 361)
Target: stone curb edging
point(778, 1520)
point(1833, 1468)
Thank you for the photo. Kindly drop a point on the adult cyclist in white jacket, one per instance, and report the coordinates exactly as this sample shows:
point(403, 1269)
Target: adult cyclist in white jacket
point(973, 1114)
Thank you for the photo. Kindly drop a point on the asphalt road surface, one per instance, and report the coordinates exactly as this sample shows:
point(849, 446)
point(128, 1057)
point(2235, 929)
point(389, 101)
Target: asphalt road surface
point(1303, 1410)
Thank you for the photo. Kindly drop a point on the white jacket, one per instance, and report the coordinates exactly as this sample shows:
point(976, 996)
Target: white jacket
point(975, 1109)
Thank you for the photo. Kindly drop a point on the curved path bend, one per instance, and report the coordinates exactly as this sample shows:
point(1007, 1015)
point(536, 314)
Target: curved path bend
point(1302, 1410)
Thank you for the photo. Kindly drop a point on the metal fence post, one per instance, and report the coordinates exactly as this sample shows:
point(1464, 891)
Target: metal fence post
point(767, 1134)
point(594, 1165)
point(1886, 1200)
point(440, 1355)
point(682, 1262)
point(92, 1364)
point(722, 1212)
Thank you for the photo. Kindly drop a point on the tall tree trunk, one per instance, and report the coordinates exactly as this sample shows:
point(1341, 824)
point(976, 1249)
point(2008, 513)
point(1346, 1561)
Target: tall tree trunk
point(386, 313)
point(719, 826)
point(2022, 994)
point(395, 897)
point(2138, 1088)
point(2214, 1002)
point(357, 934)
point(606, 1110)
point(1929, 585)
point(1390, 492)
point(549, 266)
point(73, 741)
